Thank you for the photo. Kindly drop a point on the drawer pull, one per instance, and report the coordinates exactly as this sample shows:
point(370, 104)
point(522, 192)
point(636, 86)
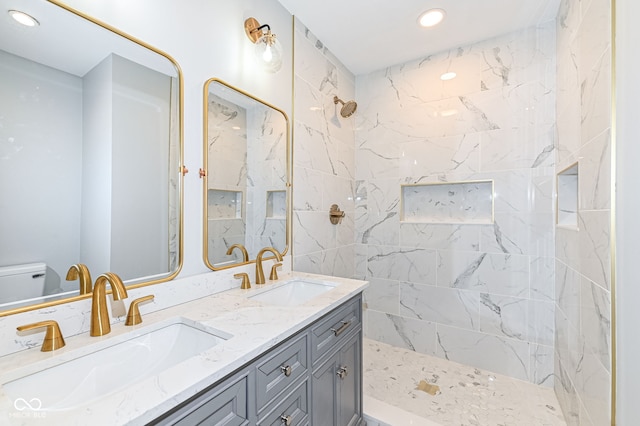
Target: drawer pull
point(286, 369)
point(286, 420)
point(342, 372)
point(342, 328)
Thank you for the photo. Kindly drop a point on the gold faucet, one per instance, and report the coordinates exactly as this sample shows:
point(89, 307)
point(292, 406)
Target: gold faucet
point(99, 315)
point(80, 271)
point(245, 254)
point(259, 271)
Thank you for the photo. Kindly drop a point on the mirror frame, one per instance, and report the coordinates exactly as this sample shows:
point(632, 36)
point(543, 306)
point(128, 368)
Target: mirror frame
point(182, 169)
point(288, 176)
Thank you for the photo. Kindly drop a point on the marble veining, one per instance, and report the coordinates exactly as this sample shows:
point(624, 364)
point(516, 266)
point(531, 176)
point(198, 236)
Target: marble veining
point(467, 395)
point(324, 160)
point(583, 254)
point(488, 300)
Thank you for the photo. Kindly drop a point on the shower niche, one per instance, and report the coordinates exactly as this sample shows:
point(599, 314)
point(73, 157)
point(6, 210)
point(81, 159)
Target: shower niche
point(567, 199)
point(469, 202)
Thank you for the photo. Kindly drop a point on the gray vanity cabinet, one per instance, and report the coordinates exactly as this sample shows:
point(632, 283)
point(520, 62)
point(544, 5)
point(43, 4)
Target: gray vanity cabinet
point(312, 378)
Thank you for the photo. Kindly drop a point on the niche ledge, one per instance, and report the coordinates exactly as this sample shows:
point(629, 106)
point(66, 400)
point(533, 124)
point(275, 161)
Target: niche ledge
point(467, 202)
point(276, 204)
point(567, 199)
point(224, 204)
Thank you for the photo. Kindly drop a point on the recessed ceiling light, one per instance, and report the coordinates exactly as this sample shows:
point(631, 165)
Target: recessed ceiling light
point(431, 17)
point(448, 112)
point(448, 76)
point(23, 18)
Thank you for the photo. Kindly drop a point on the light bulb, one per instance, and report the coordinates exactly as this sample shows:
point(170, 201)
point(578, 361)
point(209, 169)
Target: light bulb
point(431, 17)
point(268, 52)
point(23, 18)
point(267, 55)
point(448, 76)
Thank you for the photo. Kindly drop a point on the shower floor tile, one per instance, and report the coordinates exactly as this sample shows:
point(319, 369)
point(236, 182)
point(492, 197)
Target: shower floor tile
point(467, 395)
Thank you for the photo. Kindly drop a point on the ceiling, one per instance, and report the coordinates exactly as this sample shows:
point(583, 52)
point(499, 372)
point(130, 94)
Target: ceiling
point(368, 35)
point(55, 42)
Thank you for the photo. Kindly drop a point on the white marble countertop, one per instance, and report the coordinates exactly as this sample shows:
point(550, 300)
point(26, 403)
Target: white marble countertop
point(255, 328)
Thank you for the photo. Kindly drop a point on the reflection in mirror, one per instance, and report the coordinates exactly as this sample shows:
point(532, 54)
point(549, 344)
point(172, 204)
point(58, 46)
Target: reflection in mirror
point(90, 154)
point(246, 193)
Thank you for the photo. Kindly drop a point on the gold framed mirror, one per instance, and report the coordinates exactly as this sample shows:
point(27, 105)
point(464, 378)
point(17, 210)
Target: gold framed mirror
point(246, 179)
point(91, 152)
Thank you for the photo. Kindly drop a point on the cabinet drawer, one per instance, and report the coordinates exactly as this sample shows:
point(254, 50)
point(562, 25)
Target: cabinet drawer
point(294, 406)
point(224, 405)
point(332, 329)
point(281, 369)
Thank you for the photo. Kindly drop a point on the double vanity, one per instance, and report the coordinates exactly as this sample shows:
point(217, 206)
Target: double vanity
point(288, 352)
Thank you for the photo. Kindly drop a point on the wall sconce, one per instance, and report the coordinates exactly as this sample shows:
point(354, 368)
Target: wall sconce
point(268, 50)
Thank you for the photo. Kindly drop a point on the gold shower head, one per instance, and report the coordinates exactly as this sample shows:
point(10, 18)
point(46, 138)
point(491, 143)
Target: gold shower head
point(348, 108)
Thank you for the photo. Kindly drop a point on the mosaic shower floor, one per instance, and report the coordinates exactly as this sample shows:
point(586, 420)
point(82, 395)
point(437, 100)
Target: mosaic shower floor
point(466, 395)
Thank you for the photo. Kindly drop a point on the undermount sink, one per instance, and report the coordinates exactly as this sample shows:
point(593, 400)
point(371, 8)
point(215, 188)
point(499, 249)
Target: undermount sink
point(294, 292)
point(115, 364)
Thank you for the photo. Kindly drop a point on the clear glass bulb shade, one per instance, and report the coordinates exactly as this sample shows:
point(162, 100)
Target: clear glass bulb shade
point(268, 52)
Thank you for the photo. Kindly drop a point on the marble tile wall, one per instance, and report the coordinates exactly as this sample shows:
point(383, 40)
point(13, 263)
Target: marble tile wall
point(324, 160)
point(227, 178)
point(476, 293)
point(583, 267)
point(267, 172)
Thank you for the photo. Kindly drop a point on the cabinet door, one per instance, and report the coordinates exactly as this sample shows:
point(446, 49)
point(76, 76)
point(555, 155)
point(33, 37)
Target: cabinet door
point(337, 385)
point(323, 393)
point(349, 374)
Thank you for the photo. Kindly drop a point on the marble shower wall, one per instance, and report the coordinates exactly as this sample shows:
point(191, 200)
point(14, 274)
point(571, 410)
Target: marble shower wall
point(226, 178)
point(476, 293)
point(583, 265)
point(324, 163)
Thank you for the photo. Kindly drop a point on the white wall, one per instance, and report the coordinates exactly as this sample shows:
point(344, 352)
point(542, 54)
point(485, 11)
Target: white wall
point(97, 133)
point(207, 39)
point(33, 166)
point(140, 192)
point(628, 211)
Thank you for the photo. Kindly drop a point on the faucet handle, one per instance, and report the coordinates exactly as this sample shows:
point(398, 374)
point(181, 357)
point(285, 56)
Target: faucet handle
point(274, 271)
point(245, 280)
point(133, 316)
point(53, 338)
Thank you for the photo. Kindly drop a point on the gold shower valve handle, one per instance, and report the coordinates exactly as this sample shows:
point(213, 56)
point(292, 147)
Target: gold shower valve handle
point(133, 316)
point(53, 338)
point(335, 214)
point(274, 271)
point(245, 280)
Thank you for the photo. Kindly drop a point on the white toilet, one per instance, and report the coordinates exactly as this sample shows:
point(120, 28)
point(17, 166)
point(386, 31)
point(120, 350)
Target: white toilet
point(20, 282)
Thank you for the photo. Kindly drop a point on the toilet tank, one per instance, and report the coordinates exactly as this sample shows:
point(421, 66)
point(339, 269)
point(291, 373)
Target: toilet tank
point(19, 282)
